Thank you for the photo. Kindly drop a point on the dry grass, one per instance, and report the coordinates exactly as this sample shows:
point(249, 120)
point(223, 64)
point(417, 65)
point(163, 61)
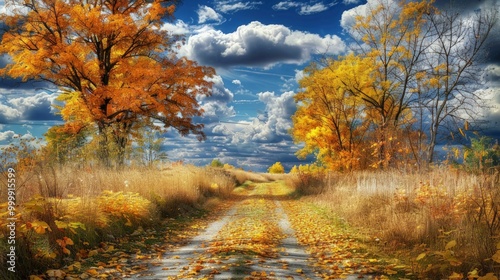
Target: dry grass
point(275, 177)
point(186, 183)
point(241, 176)
point(405, 211)
point(173, 190)
point(307, 183)
point(81, 195)
point(101, 205)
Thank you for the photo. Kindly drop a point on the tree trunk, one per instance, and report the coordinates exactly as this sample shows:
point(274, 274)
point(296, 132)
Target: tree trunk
point(432, 143)
point(121, 142)
point(104, 153)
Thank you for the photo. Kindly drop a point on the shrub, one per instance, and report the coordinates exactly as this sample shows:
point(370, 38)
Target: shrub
point(276, 168)
point(216, 163)
point(227, 166)
point(306, 183)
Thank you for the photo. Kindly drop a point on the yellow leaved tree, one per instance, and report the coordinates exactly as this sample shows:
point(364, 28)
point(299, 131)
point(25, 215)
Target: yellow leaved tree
point(330, 119)
point(395, 36)
point(276, 168)
point(410, 73)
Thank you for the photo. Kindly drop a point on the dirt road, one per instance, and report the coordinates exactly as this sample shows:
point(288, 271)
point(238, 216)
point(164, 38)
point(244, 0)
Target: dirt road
point(255, 239)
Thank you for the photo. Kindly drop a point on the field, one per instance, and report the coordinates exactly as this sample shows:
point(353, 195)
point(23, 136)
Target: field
point(441, 224)
point(63, 213)
point(442, 221)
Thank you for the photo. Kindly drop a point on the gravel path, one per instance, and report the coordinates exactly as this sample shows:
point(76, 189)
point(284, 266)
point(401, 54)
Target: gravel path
point(253, 240)
point(174, 262)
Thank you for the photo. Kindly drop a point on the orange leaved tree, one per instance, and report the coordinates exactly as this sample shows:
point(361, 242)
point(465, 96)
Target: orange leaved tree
point(116, 67)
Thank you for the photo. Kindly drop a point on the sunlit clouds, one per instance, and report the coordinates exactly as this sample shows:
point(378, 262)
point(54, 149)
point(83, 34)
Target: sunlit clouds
point(259, 45)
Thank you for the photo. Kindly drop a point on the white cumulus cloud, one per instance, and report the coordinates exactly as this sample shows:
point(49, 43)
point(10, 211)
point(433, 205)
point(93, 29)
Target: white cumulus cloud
point(8, 113)
point(261, 45)
point(6, 135)
point(28, 107)
point(177, 28)
point(270, 127)
point(348, 19)
point(299, 75)
point(216, 106)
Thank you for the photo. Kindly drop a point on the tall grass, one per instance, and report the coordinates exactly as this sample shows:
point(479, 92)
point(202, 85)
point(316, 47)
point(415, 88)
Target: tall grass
point(241, 176)
point(90, 206)
point(186, 184)
point(418, 213)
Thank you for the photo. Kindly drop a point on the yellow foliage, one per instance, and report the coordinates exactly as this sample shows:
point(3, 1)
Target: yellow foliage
point(496, 256)
point(124, 205)
point(276, 168)
point(329, 119)
point(434, 82)
point(39, 226)
point(228, 166)
point(488, 276)
point(308, 168)
point(383, 77)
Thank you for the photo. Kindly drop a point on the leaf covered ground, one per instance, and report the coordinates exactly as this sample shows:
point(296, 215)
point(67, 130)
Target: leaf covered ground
point(262, 232)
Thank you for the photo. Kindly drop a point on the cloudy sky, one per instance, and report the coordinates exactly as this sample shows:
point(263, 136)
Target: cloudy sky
point(258, 49)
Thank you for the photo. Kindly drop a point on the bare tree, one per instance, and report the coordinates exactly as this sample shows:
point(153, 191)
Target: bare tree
point(453, 69)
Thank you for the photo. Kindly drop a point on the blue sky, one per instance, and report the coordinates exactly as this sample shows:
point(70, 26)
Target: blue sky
point(258, 49)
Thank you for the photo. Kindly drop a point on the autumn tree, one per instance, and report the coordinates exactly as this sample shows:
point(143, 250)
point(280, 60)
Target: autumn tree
point(330, 118)
point(370, 91)
point(63, 146)
point(115, 65)
point(149, 146)
point(216, 163)
point(395, 36)
point(427, 62)
point(412, 65)
point(482, 155)
point(276, 168)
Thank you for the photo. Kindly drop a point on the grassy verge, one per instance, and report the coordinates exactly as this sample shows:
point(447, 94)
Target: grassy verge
point(443, 223)
point(66, 216)
point(338, 250)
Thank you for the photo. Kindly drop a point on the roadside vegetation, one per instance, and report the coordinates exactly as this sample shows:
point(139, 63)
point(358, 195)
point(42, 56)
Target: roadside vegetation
point(68, 214)
point(373, 120)
point(444, 223)
point(439, 223)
